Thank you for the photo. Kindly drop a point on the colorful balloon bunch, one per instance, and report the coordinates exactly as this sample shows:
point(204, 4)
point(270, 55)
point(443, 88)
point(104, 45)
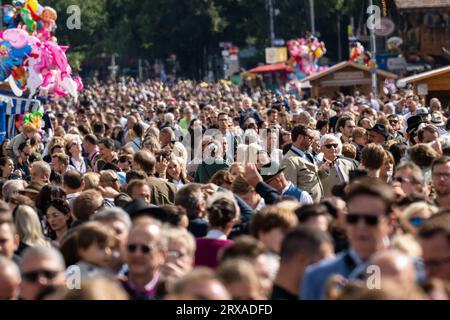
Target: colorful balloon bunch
point(33, 118)
point(360, 55)
point(31, 14)
point(30, 58)
point(305, 54)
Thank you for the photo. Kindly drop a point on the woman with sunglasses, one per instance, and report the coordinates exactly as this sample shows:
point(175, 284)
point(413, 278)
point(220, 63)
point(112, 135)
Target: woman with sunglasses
point(336, 169)
point(58, 219)
point(80, 163)
point(414, 215)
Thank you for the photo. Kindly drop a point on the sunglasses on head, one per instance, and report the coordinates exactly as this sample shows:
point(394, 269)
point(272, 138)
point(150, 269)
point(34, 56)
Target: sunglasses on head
point(370, 220)
point(145, 249)
point(33, 276)
point(331, 145)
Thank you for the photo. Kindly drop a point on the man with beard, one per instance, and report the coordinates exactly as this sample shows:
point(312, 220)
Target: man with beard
point(440, 171)
point(301, 167)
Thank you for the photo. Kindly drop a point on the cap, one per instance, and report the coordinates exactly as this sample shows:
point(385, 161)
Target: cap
point(437, 119)
point(421, 111)
point(271, 170)
point(413, 123)
point(139, 207)
point(380, 129)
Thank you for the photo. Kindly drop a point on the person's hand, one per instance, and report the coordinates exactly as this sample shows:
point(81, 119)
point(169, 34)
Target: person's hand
point(326, 166)
point(252, 175)
point(209, 188)
point(175, 269)
point(18, 172)
point(108, 192)
point(161, 167)
point(436, 145)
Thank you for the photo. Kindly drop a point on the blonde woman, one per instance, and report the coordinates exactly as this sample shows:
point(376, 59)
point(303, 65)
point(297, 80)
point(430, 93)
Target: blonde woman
point(28, 227)
point(109, 178)
point(91, 180)
point(236, 169)
point(413, 216)
point(55, 141)
point(176, 172)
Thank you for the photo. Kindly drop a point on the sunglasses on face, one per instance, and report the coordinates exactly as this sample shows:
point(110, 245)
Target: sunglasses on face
point(402, 180)
point(33, 276)
point(145, 249)
point(393, 121)
point(331, 145)
point(370, 220)
point(416, 221)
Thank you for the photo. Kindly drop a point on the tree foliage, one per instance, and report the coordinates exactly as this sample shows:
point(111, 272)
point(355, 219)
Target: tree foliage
point(190, 29)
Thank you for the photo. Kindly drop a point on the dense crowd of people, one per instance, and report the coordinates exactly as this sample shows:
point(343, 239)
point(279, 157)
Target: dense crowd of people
point(151, 190)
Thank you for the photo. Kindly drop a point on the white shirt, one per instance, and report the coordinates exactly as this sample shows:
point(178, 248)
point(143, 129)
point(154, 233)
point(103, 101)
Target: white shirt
point(261, 204)
point(178, 183)
point(216, 234)
point(79, 166)
point(305, 197)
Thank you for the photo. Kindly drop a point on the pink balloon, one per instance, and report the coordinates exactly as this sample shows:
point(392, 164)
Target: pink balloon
point(18, 38)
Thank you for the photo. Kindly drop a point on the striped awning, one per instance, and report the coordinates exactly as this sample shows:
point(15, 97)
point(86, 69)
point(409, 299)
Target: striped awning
point(10, 106)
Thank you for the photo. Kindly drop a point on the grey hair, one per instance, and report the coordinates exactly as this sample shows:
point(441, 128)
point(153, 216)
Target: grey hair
point(329, 136)
point(48, 252)
point(182, 236)
point(169, 117)
point(114, 213)
point(43, 166)
point(169, 130)
point(11, 188)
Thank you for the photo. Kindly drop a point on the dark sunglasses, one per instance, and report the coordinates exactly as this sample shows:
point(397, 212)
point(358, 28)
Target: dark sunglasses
point(402, 180)
point(370, 220)
point(416, 221)
point(332, 145)
point(393, 121)
point(26, 154)
point(145, 249)
point(33, 276)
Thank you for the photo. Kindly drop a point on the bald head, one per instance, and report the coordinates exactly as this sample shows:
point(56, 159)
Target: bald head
point(201, 283)
point(146, 249)
point(9, 279)
point(394, 264)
